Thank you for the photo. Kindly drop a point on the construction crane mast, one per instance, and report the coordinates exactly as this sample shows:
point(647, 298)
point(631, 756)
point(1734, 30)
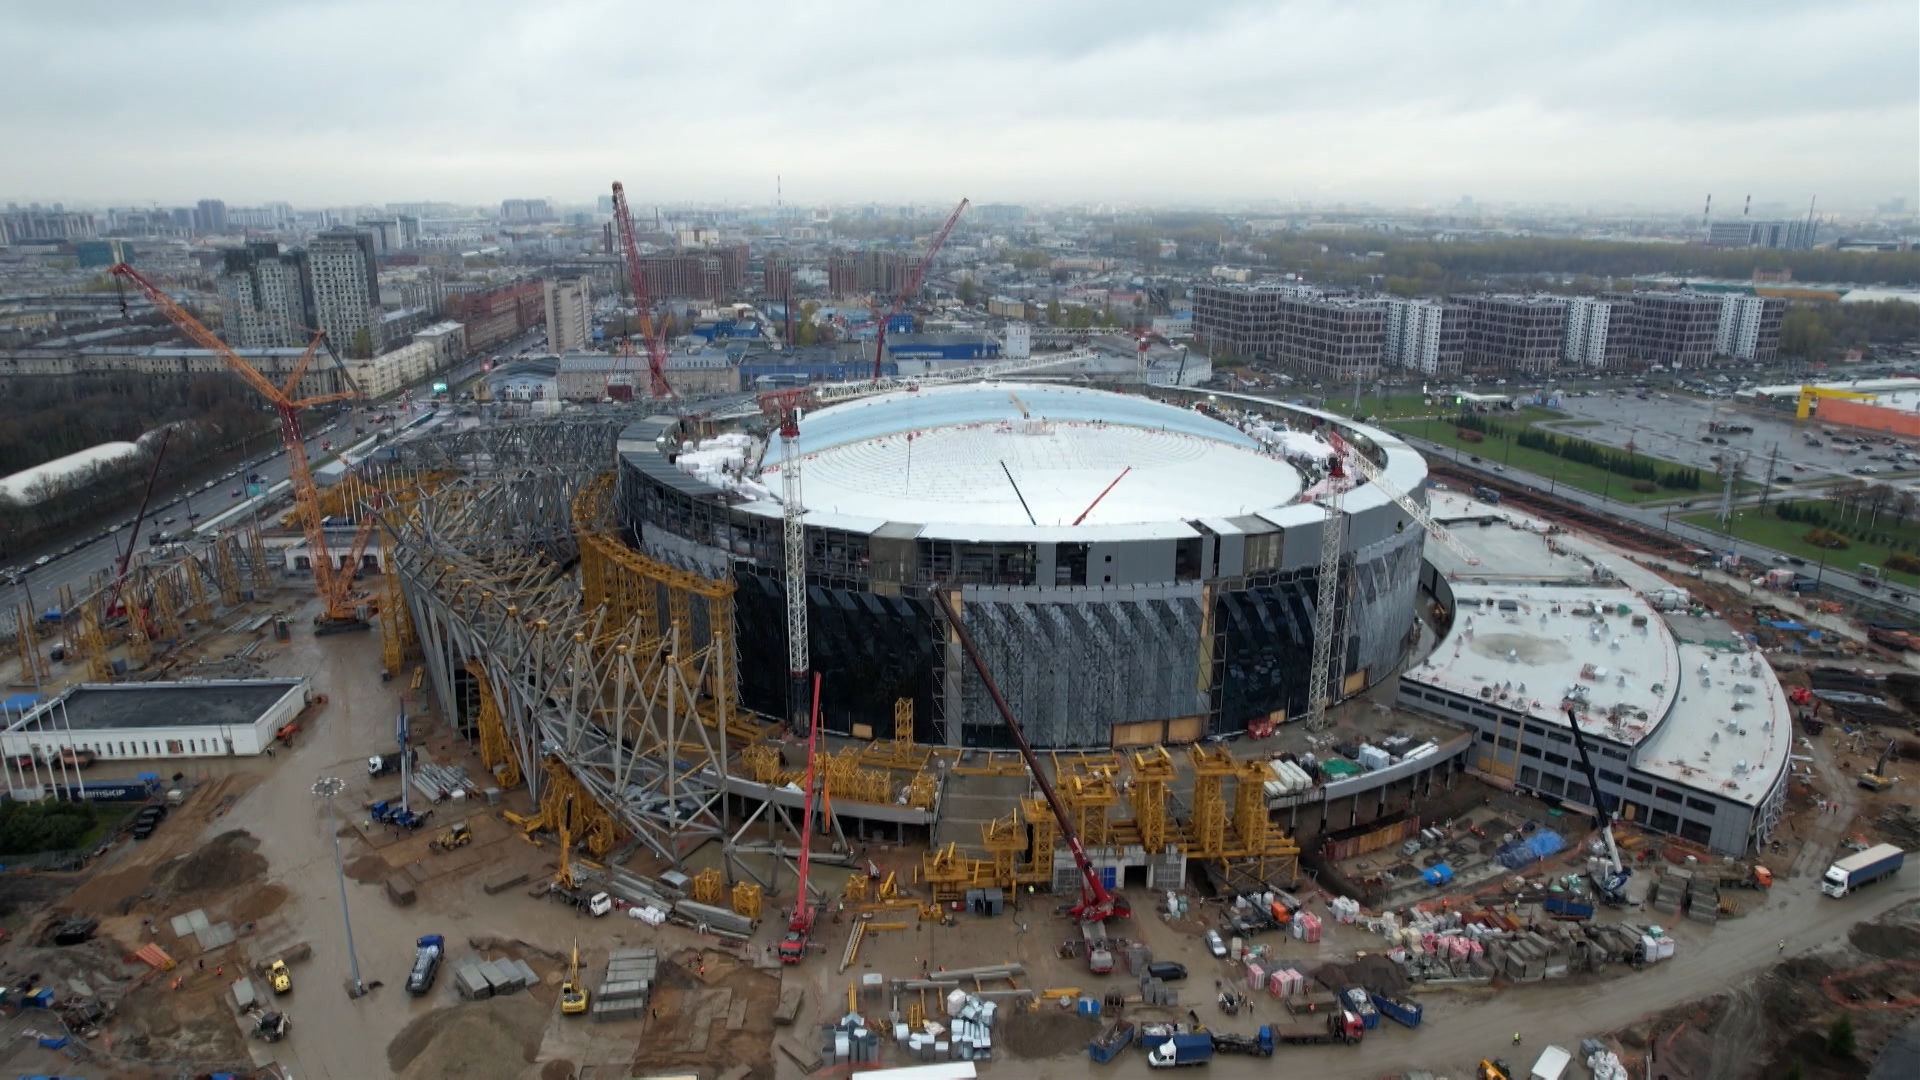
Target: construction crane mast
point(637, 282)
point(783, 408)
point(333, 584)
point(912, 288)
point(793, 947)
point(1097, 904)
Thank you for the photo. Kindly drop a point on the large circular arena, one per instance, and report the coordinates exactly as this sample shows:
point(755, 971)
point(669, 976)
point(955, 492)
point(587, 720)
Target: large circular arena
point(1135, 571)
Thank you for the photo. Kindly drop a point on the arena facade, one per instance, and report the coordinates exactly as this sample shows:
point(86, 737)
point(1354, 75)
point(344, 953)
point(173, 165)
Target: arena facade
point(1136, 572)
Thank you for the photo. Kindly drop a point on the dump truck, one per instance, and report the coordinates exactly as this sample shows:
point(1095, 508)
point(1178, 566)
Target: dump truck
point(1108, 1044)
point(426, 963)
point(1179, 1051)
point(1337, 1026)
point(1259, 1044)
point(1861, 868)
point(1358, 1003)
point(1567, 909)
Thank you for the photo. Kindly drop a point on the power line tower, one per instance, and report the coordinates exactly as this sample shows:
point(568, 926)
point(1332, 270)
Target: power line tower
point(1730, 470)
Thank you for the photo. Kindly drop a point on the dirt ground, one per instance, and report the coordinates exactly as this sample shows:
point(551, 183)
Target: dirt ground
point(690, 1021)
point(474, 1039)
point(1762, 1026)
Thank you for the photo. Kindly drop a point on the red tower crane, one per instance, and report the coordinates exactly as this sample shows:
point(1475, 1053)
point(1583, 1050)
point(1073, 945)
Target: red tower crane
point(793, 947)
point(912, 288)
point(637, 282)
point(1097, 904)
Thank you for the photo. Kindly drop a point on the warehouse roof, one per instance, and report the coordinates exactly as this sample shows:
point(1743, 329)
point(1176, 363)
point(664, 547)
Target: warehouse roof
point(127, 706)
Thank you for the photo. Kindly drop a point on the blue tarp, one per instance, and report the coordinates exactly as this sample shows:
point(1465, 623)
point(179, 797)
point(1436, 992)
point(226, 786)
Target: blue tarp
point(19, 703)
point(1531, 849)
point(1437, 874)
point(1787, 625)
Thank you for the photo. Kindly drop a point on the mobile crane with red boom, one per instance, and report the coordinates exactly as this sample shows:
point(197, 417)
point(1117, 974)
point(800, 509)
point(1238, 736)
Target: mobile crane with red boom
point(912, 288)
point(793, 947)
point(1097, 904)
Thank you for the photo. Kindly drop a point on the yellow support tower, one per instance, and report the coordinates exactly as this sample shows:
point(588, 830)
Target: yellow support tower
point(1004, 843)
point(1207, 831)
point(225, 574)
point(921, 790)
point(197, 606)
point(496, 753)
point(1039, 818)
point(398, 642)
point(747, 900)
point(1152, 773)
point(708, 886)
point(947, 873)
point(33, 666)
point(855, 890)
point(1090, 796)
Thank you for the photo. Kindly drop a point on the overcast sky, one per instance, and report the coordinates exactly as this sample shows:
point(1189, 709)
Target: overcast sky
point(1159, 101)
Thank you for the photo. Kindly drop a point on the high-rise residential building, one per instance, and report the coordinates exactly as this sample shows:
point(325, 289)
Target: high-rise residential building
point(36, 226)
point(525, 211)
point(569, 314)
point(263, 297)
point(345, 287)
point(713, 275)
point(1675, 329)
point(210, 216)
point(851, 272)
point(1324, 336)
point(1749, 327)
point(1509, 334)
point(777, 280)
point(1600, 332)
point(1428, 336)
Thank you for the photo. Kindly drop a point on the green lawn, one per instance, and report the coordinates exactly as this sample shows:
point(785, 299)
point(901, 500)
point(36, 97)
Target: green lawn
point(1758, 525)
point(1391, 407)
point(1590, 478)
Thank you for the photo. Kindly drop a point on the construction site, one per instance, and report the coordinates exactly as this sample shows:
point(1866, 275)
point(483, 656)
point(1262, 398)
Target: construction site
point(1009, 739)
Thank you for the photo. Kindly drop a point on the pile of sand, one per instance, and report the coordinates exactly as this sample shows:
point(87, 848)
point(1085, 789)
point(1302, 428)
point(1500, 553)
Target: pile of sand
point(225, 863)
point(465, 1041)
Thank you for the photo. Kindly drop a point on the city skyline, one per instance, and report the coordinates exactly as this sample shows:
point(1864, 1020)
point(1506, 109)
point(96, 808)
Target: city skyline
point(1387, 103)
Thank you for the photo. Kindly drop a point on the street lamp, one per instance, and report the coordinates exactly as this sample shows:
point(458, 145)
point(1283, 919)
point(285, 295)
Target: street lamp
point(326, 788)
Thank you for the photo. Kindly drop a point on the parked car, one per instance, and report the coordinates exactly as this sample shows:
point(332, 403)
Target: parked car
point(147, 820)
point(1214, 945)
point(1167, 971)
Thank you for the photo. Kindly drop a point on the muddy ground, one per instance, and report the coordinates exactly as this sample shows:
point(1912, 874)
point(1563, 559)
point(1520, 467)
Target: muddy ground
point(1764, 1026)
point(688, 1026)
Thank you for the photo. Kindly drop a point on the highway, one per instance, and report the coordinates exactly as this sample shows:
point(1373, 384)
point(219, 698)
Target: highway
point(202, 497)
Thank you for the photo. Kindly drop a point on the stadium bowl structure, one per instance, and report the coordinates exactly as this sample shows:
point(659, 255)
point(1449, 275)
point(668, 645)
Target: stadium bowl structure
point(1135, 572)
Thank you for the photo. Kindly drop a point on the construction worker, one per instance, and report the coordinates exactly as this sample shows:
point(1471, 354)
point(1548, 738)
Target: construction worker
point(1516, 1038)
point(1783, 945)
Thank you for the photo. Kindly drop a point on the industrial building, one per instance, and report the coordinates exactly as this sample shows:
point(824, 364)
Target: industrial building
point(1172, 603)
point(1789, 235)
point(1324, 336)
point(138, 721)
point(1508, 334)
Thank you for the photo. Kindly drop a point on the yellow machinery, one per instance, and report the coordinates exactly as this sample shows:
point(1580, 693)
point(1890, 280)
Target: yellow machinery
point(747, 899)
point(1810, 394)
point(280, 977)
point(457, 836)
point(573, 996)
point(564, 876)
point(1494, 1070)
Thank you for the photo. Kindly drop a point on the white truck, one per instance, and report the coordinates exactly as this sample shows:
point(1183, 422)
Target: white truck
point(1861, 868)
point(1552, 1065)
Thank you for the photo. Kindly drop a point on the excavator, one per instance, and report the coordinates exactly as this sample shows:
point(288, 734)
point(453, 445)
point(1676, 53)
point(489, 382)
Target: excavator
point(573, 996)
point(1493, 1069)
point(1877, 779)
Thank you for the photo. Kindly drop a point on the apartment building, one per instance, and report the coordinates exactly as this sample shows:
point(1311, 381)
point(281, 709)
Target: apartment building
point(36, 226)
point(344, 279)
point(263, 297)
point(776, 281)
point(1788, 235)
point(497, 314)
point(391, 372)
point(1675, 329)
point(711, 275)
point(1600, 333)
point(1320, 335)
point(853, 272)
point(1509, 334)
point(1428, 336)
point(1749, 327)
point(569, 308)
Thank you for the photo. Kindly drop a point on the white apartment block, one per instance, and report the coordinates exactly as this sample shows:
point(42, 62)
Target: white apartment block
point(346, 289)
point(1594, 327)
point(569, 315)
point(1428, 336)
point(263, 302)
point(1741, 321)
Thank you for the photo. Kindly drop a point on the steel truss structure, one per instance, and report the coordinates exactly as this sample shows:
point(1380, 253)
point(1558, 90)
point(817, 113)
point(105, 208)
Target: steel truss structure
point(600, 698)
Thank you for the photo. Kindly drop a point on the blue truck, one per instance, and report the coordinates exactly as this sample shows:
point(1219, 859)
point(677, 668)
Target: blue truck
point(1179, 1051)
point(1398, 1010)
point(1108, 1044)
point(1862, 868)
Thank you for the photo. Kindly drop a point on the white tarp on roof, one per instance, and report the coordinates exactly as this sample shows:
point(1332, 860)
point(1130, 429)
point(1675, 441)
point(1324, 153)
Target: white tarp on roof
point(26, 486)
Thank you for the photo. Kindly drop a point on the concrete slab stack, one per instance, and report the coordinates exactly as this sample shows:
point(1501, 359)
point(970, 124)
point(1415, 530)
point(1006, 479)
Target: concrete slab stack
point(628, 985)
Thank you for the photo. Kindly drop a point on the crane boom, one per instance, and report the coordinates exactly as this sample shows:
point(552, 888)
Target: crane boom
point(1614, 881)
point(637, 281)
point(1406, 502)
point(912, 288)
point(133, 534)
point(329, 582)
point(1097, 904)
point(1327, 595)
point(793, 948)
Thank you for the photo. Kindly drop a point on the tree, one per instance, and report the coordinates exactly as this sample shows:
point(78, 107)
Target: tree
point(1804, 334)
point(1840, 1040)
point(1053, 312)
point(968, 292)
point(361, 347)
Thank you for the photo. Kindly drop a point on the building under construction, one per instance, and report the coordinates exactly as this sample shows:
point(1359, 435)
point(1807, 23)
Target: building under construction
point(598, 603)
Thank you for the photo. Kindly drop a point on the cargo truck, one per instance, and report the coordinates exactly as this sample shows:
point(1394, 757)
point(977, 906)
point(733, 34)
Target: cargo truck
point(1565, 909)
point(1179, 1051)
point(1862, 868)
point(1358, 1003)
point(1337, 1026)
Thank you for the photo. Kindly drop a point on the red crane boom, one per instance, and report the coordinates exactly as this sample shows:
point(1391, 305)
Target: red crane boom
point(1096, 903)
point(793, 948)
point(913, 285)
point(637, 281)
